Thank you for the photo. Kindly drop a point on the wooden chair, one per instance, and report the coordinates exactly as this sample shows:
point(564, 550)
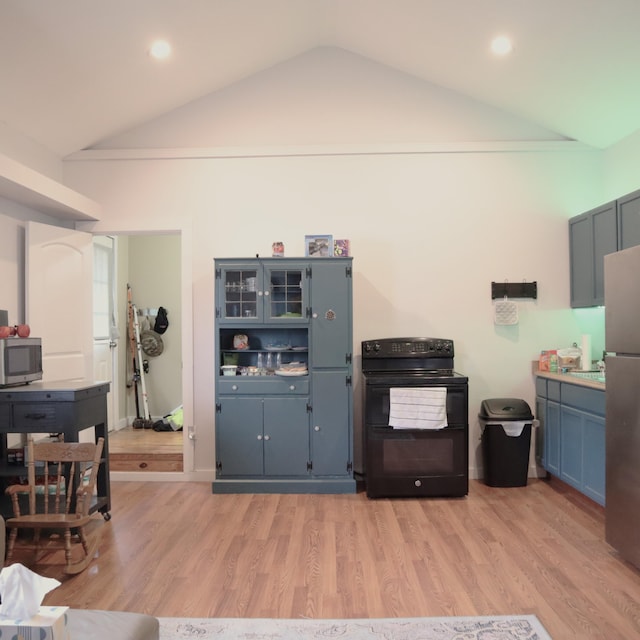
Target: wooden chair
point(61, 481)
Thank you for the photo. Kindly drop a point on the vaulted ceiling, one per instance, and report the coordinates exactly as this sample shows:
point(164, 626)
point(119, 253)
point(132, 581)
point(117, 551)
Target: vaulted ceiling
point(76, 72)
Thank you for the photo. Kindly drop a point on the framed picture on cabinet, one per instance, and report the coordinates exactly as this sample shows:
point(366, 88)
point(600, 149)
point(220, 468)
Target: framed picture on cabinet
point(342, 248)
point(319, 246)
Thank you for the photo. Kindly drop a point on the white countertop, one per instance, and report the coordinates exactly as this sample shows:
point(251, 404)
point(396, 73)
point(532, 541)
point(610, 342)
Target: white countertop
point(569, 379)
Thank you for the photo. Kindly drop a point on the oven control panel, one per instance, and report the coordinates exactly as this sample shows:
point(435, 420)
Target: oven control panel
point(408, 348)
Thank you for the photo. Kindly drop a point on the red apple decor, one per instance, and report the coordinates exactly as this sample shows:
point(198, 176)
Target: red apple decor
point(23, 330)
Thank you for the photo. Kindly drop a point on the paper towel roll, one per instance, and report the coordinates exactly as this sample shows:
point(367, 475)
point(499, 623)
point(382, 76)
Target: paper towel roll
point(585, 363)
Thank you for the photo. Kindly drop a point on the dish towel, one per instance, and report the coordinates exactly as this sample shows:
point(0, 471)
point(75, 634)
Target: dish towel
point(418, 408)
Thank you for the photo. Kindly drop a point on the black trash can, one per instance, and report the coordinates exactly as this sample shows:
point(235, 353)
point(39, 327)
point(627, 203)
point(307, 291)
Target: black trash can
point(506, 437)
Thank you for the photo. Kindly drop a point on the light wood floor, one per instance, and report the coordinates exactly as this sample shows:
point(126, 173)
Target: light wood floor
point(130, 440)
point(175, 549)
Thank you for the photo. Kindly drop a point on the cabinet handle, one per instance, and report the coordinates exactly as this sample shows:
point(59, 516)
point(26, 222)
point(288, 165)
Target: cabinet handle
point(267, 437)
point(314, 315)
point(266, 293)
point(234, 387)
point(259, 437)
point(260, 293)
point(316, 428)
point(292, 387)
point(36, 416)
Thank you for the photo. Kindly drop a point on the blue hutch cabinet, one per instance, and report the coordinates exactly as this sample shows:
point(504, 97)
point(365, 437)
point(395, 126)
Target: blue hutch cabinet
point(284, 415)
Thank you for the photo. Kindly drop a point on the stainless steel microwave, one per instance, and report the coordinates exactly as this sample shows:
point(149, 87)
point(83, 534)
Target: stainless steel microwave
point(20, 360)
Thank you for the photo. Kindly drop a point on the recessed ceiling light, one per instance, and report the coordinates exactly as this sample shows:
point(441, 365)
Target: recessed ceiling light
point(160, 50)
point(501, 45)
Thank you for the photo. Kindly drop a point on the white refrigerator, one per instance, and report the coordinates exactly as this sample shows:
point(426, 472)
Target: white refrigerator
point(622, 343)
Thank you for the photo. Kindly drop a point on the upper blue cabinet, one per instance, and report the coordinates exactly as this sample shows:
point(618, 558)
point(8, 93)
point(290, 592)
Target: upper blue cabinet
point(592, 235)
point(263, 291)
point(628, 221)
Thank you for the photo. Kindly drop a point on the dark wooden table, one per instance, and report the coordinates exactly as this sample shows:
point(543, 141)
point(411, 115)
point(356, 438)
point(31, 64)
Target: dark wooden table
point(64, 406)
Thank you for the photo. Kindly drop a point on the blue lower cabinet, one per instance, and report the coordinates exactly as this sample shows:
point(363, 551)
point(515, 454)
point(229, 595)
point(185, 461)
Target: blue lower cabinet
point(571, 446)
point(330, 445)
point(594, 464)
point(239, 434)
point(541, 415)
point(552, 438)
point(286, 436)
point(574, 436)
point(264, 437)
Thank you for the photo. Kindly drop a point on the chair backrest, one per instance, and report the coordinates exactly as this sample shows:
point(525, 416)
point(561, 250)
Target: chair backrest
point(64, 473)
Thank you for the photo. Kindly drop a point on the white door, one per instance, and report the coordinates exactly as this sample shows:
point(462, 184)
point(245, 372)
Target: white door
point(105, 329)
point(59, 299)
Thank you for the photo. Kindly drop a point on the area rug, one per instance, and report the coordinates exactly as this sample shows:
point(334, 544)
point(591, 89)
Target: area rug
point(525, 627)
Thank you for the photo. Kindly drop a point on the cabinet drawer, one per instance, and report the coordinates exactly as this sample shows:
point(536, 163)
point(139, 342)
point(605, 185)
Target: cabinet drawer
point(553, 390)
point(248, 385)
point(590, 400)
point(35, 417)
point(541, 387)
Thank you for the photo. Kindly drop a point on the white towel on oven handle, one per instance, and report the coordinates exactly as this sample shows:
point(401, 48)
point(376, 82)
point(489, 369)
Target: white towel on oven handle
point(418, 407)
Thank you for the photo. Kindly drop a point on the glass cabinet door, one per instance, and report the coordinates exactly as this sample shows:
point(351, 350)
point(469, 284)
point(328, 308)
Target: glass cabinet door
point(240, 288)
point(285, 293)
point(253, 293)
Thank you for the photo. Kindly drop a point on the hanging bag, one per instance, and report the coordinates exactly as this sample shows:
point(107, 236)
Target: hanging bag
point(162, 322)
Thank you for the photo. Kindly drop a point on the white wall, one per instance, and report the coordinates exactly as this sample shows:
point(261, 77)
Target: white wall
point(621, 168)
point(429, 232)
point(329, 96)
point(439, 195)
point(12, 268)
point(431, 217)
point(29, 153)
point(13, 217)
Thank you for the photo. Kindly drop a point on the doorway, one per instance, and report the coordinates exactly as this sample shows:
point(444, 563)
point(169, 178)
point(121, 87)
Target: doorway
point(151, 265)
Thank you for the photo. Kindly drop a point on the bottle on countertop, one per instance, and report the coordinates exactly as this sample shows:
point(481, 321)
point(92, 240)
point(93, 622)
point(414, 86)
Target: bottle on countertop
point(602, 365)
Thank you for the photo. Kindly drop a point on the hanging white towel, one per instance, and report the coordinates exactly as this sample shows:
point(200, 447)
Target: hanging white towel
point(418, 407)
